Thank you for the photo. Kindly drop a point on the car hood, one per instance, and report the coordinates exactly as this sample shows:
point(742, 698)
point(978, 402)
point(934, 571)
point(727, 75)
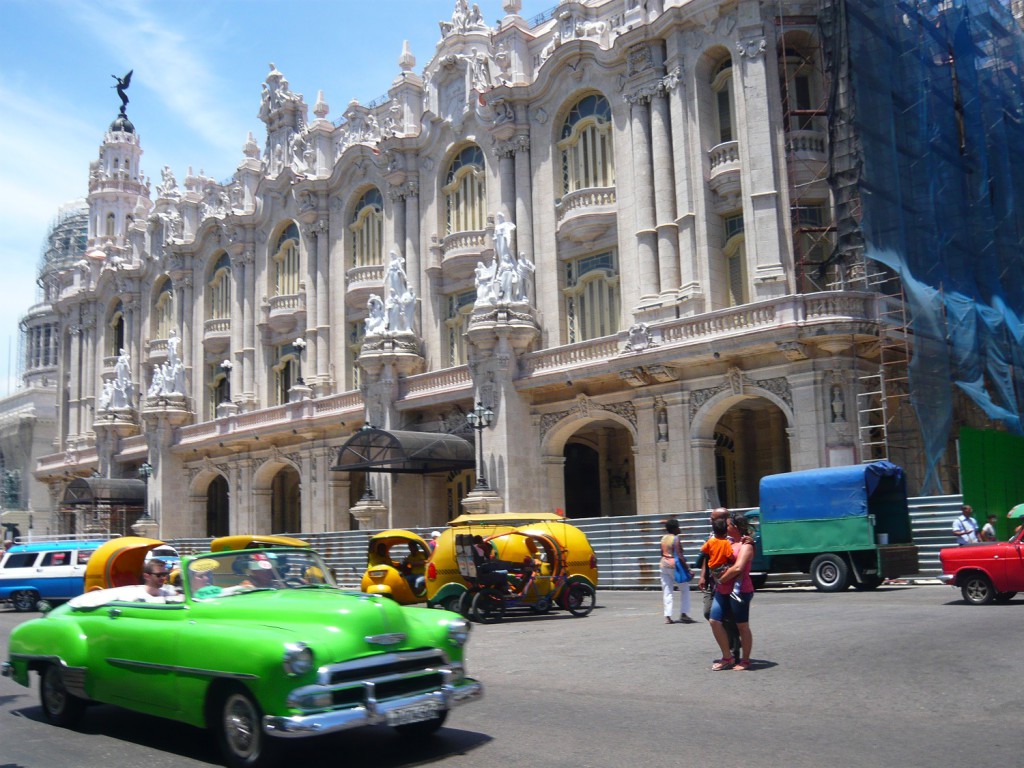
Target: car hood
point(326, 614)
point(976, 551)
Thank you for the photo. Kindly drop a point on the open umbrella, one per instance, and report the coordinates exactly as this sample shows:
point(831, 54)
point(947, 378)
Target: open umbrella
point(1017, 511)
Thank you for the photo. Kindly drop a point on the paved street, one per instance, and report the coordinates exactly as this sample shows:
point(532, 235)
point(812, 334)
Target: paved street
point(902, 677)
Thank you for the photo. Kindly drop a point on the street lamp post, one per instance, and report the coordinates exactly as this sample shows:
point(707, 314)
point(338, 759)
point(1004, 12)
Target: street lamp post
point(226, 366)
point(299, 344)
point(479, 418)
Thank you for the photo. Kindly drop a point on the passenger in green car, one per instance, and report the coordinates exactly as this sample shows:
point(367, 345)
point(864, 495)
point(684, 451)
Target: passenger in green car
point(261, 573)
point(154, 584)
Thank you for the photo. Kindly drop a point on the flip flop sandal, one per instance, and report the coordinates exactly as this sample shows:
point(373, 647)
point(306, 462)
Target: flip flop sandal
point(723, 663)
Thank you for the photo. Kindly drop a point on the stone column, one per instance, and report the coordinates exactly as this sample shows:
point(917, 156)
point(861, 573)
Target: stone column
point(249, 327)
point(234, 354)
point(413, 266)
point(664, 193)
point(524, 197)
point(309, 364)
point(74, 374)
point(703, 456)
point(507, 180)
point(323, 305)
point(643, 195)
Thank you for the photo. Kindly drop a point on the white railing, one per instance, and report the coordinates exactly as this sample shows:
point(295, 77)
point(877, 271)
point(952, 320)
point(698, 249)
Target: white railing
point(585, 198)
point(445, 380)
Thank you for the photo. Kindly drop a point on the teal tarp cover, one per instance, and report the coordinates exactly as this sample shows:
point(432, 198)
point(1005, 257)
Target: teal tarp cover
point(834, 492)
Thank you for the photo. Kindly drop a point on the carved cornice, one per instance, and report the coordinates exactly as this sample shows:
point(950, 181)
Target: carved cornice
point(585, 408)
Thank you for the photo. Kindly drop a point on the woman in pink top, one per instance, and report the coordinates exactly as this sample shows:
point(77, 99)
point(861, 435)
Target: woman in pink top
point(723, 605)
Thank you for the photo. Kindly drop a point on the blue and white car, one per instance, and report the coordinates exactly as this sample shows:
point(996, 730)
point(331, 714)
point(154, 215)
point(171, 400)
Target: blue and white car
point(44, 570)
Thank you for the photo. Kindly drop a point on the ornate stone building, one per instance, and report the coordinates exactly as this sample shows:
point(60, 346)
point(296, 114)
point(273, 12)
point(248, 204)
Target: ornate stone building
point(611, 226)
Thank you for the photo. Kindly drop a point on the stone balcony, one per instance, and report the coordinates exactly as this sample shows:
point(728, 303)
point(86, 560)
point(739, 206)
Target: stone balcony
point(460, 251)
point(361, 282)
point(285, 313)
point(586, 214)
point(807, 156)
point(217, 334)
point(724, 167)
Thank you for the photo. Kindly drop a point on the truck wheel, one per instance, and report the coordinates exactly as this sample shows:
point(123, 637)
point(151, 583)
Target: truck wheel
point(829, 573)
point(867, 583)
point(25, 600)
point(61, 708)
point(977, 589)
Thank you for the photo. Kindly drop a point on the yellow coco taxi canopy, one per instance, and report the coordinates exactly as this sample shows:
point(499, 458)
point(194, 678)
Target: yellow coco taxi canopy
point(118, 562)
point(507, 518)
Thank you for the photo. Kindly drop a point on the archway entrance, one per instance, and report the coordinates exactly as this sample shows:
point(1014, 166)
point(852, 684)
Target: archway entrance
point(285, 502)
point(750, 442)
point(217, 508)
point(598, 476)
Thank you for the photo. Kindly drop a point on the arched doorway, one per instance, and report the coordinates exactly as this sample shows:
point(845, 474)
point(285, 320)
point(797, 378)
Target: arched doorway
point(217, 508)
point(582, 492)
point(285, 502)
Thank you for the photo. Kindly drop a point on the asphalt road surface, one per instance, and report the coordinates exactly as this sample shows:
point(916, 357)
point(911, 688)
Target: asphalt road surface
point(903, 677)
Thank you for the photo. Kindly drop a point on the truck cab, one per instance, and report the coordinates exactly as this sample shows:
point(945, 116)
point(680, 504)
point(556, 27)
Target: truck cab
point(845, 526)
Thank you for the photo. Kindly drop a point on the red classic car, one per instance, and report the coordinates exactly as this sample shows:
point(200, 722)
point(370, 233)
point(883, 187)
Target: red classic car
point(986, 572)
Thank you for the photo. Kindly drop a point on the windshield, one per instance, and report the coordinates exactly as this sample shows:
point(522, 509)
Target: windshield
point(232, 573)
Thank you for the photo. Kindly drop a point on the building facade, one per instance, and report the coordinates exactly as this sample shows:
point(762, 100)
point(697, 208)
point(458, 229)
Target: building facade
point(612, 226)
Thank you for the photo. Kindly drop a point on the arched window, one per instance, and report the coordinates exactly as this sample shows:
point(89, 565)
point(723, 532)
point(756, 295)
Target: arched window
point(722, 87)
point(110, 225)
point(465, 192)
point(163, 310)
point(588, 159)
point(591, 297)
point(367, 230)
point(735, 258)
point(218, 290)
point(115, 331)
point(460, 307)
point(285, 262)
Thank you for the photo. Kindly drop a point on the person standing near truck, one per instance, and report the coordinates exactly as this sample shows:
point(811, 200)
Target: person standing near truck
point(965, 528)
point(739, 532)
point(719, 519)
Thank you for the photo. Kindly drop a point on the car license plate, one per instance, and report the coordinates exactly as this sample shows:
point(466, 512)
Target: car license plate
point(414, 713)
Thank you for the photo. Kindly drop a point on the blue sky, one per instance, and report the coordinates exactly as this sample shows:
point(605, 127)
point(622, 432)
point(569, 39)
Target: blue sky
point(198, 66)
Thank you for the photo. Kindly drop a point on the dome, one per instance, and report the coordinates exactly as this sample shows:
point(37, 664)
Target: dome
point(123, 124)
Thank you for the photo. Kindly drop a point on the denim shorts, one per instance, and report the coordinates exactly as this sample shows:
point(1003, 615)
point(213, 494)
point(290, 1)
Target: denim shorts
point(724, 606)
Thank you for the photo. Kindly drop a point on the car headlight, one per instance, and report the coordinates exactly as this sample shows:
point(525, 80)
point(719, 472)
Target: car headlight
point(298, 659)
point(458, 631)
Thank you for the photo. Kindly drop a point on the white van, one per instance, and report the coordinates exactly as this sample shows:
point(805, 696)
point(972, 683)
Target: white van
point(44, 570)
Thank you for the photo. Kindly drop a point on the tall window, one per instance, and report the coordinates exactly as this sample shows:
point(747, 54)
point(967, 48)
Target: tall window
point(285, 372)
point(110, 225)
point(722, 87)
point(285, 261)
point(465, 192)
point(797, 91)
point(591, 297)
point(588, 159)
point(219, 387)
point(460, 307)
point(735, 254)
point(218, 290)
point(367, 230)
point(115, 330)
point(356, 334)
point(163, 310)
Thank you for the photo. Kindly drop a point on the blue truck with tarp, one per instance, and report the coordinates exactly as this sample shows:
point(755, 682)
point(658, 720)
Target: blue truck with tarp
point(845, 526)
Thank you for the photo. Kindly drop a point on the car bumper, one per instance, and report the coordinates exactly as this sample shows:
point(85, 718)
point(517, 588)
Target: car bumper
point(315, 724)
point(948, 578)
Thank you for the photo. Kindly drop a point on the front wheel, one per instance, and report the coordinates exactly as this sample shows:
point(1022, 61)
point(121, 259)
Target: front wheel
point(25, 600)
point(451, 603)
point(240, 732)
point(580, 599)
point(830, 573)
point(977, 589)
point(60, 707)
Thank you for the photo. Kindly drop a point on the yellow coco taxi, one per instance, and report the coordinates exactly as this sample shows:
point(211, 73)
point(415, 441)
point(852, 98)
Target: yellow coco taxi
point(396, 566)
point(446, 585)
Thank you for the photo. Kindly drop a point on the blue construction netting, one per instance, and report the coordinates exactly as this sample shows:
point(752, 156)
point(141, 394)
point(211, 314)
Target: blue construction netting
point(935, 106)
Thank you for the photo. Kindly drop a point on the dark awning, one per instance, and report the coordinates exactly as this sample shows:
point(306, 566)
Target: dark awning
point(87, 491)
point(419, 453)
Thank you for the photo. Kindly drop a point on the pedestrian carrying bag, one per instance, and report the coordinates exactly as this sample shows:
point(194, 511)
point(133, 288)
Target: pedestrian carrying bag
point(683, 572)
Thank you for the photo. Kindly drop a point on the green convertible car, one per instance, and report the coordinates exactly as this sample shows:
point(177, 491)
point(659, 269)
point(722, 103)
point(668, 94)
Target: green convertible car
point(259, 647)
